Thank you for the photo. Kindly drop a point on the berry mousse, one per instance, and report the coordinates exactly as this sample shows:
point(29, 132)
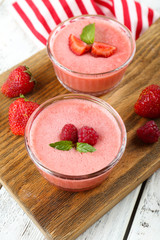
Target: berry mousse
point(90, 53)
point(77, 123)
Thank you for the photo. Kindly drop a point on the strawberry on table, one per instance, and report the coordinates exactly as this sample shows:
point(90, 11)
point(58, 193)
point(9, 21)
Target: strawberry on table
point(77, 46)
point(19, 112)
point(148, 103)
point(20, 81)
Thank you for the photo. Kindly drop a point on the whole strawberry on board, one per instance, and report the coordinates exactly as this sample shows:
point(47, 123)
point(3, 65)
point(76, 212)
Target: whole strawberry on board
point(20, 81)
point(148, 103)
point(19, 112)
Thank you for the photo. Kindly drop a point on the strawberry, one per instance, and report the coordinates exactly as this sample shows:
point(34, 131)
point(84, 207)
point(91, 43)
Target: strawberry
point(19, 112)
point(77, 46)
point(148, 103)
point(20, 81)
point(100, 49)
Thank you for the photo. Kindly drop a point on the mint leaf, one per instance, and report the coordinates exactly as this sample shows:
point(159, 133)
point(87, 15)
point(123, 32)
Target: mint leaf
point(88, 33)
point(85, 147)
point(62, 145)
point(67, 145)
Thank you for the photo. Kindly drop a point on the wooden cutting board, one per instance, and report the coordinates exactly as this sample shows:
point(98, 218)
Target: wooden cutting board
point(63, 215)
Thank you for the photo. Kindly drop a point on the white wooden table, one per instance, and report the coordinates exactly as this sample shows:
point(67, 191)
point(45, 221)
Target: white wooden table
point(136, 217)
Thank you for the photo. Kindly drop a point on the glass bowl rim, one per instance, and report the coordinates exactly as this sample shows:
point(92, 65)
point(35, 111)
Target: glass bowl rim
point(133, 45)
point(87, 97)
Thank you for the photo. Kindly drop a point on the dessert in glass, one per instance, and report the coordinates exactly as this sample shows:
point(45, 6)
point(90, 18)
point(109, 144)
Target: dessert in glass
point(86, 73)
point(73, 170)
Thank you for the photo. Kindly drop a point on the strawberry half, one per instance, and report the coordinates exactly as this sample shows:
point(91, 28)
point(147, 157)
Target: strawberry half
point(102, 50)
point(77, 46)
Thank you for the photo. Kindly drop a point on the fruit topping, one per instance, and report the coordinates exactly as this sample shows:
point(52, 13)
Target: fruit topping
point(20, 81)
point(69, 132)
point(148, 103)
point(82, 140)
point(87, 135)
point(78, 46)
point(19, 112)
point(149, 133)
point(102, 50)
point(88, 33)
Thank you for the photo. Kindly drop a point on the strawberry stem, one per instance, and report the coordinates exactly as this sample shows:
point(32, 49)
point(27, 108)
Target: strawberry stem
point(27, 70)
point(22, 96)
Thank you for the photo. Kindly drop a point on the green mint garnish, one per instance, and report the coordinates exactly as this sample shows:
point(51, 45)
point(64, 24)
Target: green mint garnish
point(88, 33)
point(67, 145)
point(85, 147)
point(62, 145)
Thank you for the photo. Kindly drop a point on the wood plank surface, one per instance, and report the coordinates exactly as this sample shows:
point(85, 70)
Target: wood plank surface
point(64, 215)
point(146, 224)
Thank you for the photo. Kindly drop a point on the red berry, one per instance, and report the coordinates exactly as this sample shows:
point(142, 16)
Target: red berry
point(20, 81)
point(149, 133)
point(102, 50)
point(148, 103)
point(78, 46)
point(69, 133)
point(19, 112)
point(87, 135)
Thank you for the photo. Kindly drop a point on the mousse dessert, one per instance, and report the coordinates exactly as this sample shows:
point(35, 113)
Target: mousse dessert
point(90, 53)
point(75, 140)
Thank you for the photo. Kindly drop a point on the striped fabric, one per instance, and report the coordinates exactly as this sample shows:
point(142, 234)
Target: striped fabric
point(41, 16)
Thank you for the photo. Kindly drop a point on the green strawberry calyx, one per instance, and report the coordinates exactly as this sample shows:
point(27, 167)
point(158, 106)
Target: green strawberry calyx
point(32, 79)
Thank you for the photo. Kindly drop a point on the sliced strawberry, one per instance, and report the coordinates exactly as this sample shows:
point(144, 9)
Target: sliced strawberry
point(77, 46)
point(102, 49)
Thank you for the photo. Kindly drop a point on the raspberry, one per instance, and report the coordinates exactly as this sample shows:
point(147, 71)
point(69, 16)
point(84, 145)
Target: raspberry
point(69, 133)
point(149, 133)
point(148, 103)
point(87, 135)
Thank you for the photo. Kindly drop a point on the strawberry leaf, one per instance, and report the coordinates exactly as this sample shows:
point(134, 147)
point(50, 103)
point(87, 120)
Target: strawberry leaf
point(62, 145)
point(88, 33)
point(85, 147)
point(27, 70)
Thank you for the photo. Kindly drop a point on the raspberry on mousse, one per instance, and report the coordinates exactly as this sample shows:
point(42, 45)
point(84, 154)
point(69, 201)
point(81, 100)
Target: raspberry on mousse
point(87, 135)
point(69, 133)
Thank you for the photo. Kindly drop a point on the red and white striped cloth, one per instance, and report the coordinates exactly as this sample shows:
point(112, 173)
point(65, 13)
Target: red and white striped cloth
point(41, 16)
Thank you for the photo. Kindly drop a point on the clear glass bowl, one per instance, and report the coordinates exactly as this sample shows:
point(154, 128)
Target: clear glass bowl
point(94, 84)
point(78, 182)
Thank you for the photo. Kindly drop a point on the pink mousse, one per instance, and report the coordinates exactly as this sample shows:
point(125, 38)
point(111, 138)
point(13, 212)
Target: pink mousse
point(105, 31)
point(47, 126)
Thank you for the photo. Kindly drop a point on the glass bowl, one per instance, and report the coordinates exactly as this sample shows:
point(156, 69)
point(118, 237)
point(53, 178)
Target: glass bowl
point(90, 83)
point(77, 179)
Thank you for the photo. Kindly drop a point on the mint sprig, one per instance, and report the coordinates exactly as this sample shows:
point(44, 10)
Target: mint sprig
point(88, 33)
point(67, 145)
point(85, 147)
point(62, 145)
